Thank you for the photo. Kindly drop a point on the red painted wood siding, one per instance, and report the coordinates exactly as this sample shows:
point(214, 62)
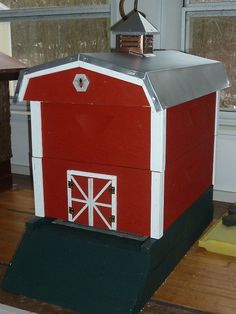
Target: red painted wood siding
point(111, 135)
point(189, 154)
point(133, 189)
point(102, 90)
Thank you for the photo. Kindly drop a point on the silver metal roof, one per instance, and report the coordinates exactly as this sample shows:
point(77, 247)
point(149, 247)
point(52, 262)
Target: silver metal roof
point(135, 24)
point(171, 77)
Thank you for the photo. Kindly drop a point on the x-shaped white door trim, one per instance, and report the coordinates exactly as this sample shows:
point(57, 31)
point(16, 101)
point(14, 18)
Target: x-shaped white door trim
point(90, 201)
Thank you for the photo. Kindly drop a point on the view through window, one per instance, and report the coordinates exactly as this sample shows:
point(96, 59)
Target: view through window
point(36, 41)
point(211, 33)
point(16, 4)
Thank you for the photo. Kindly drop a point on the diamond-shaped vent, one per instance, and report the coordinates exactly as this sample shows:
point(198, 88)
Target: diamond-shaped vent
point(81, 82)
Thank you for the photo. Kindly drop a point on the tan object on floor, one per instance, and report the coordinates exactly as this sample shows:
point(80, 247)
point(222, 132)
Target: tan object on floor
point(220, 239)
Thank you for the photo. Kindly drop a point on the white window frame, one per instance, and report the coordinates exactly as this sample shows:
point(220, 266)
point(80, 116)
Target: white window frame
point(80, 12)
point(227, 8)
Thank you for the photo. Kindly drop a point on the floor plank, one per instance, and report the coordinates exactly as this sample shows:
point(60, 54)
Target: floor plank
point(17, 200)
point(202, 280)
point(16, 207)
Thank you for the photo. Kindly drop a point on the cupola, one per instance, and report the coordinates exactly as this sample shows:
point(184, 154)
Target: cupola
point(134, 33)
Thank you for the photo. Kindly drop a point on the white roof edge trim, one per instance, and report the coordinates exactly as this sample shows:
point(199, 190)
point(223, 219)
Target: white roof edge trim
point(23, 88)
point(43, 72)
point(79, 64)
point(111, 73)
point(149, 98)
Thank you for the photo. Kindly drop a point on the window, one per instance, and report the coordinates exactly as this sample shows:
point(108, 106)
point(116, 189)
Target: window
point(210, 31)
point(45, 30)
point(16, 4)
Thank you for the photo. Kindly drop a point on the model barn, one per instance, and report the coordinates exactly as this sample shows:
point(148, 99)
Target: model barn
point(123, 142)
point(123, 156)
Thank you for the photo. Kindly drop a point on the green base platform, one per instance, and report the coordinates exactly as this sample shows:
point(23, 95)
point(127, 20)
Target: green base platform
point(95, 273)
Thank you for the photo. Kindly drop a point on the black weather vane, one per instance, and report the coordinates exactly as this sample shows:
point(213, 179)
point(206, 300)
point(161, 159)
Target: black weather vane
point(122, 10)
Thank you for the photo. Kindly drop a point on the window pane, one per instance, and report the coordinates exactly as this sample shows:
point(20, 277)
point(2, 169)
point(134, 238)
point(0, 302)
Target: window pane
point(16, 4)
point(215, 38)
point(35, 42)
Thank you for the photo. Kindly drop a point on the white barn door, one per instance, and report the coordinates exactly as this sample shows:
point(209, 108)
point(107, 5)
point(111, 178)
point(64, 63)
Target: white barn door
point(92, 199)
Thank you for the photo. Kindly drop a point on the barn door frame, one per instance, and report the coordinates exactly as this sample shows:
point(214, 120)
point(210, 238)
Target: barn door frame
point(90, 200)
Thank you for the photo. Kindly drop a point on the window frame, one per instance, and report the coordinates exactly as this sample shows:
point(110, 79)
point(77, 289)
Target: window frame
point(188, 4)
point(70, 12)
point(204, 10)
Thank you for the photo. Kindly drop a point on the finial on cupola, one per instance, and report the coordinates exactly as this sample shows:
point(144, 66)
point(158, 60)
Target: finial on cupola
point(134, 33)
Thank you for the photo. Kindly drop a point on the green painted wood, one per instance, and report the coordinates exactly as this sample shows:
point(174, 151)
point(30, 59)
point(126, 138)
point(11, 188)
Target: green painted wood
point(94, 272)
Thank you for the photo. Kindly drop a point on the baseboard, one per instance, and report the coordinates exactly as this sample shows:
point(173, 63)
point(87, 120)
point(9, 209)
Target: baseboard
point(20, 169)
point(224, 196)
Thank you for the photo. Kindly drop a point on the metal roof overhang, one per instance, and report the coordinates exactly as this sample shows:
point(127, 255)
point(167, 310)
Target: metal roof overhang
point(171, 77)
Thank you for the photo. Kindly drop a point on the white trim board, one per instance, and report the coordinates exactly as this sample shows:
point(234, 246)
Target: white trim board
point(38, 187)
point(36, 129)
point(216, 134)
point(157, 205)
point(158, 141)
point(27, 77)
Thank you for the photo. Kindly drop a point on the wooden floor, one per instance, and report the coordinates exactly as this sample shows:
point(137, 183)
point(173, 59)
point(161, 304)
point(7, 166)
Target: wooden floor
point(201, 283)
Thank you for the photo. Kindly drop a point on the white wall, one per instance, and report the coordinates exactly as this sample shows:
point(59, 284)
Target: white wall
point(225, 174)
point(20, 140)
point(5, 31)
point(171, 19)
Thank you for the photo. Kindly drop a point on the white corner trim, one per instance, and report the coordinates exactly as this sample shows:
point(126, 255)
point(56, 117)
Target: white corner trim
point(36, 129)
point(23, 88)
point(157, 204)
point(149, 98)
point(38, 187)
point(158, 141)
point(47, 71)
point(217, 108)
point(218, 93)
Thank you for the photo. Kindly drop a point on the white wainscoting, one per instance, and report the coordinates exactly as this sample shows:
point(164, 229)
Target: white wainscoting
point(225, 171)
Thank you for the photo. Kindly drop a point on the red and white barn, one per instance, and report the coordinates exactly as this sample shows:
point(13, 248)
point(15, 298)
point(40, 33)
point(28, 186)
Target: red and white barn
point(123, 142)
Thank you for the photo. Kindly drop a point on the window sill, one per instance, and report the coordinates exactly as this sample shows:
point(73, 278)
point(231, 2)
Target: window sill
point(227, 117)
